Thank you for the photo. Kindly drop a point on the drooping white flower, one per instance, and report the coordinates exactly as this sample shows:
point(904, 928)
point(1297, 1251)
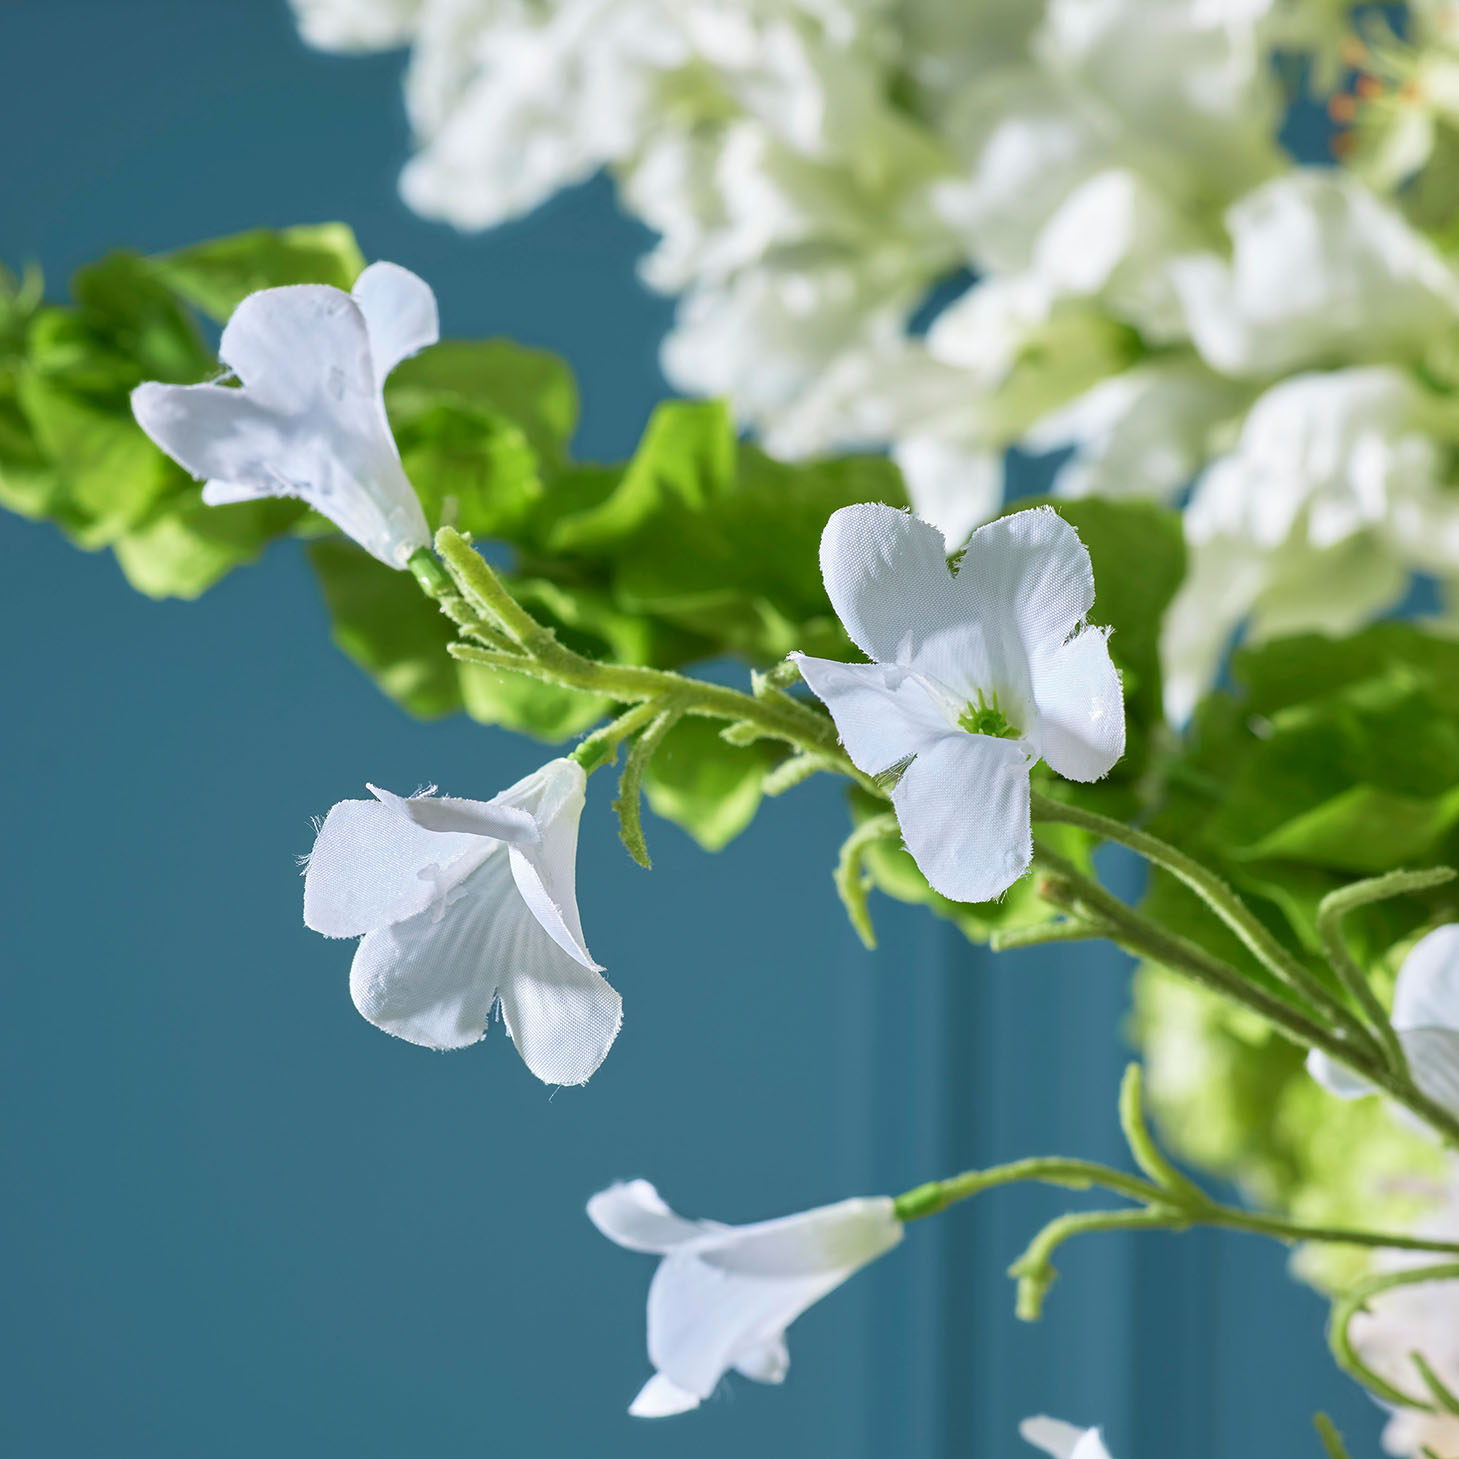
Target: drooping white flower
point(1426, 1019)
point(464, 905)
point(974, 677)
point(723, 1296)
point(1321, 270)
point(308, 417)
point(1063, 1440)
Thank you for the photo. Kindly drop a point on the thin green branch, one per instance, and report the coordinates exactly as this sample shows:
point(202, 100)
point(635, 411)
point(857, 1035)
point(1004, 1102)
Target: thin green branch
point(850, 880)
point(1331, 1439)
point(1330, 912)
point(1347, 1307)
point(1148, 1155)
point(1218, 896)
point(1065, 929)
point(630, 784)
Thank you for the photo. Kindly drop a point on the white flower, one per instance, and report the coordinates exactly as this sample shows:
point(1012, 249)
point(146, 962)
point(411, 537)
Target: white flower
point(974, 678)
point(723, 1296)
point(309, 419)
point(1426, 1019)
point(1063, 1441)
point(1320, 269)
point(464, 904)
point(1144, 433)
point(357, 25)
point(1419, 1318)
point(1334, 494)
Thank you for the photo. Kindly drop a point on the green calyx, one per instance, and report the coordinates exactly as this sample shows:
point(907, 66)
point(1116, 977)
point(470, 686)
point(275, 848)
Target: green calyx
point(987, 719)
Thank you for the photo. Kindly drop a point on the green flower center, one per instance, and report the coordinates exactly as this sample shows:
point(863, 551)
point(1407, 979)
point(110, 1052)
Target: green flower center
point(984, 718)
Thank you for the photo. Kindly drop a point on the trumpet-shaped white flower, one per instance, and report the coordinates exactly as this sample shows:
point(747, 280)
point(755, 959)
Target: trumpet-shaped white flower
point(974, 677)
point(723, 1296)
point(308, 419)
point(1426, 1019)
point(461, 905)
point(1062, 1440)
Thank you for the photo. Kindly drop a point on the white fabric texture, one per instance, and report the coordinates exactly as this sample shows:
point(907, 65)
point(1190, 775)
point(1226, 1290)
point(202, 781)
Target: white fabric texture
point(308, 417)
point(1426, 1019)
point(723, 1296)
point(463, 906)
point(1007, 630)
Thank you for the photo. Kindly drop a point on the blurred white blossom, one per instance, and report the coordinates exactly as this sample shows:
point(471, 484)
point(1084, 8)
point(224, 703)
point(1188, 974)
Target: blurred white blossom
point(1422, 1318)
point(1063, 1440)
point(1144, 261)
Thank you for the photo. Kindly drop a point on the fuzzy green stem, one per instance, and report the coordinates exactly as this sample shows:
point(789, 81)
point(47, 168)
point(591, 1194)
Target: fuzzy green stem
point(1351, 1303)
point(630, 785)
point(1330, 912)
point(1218, 896)
point(850, 882)
point(1066, 929)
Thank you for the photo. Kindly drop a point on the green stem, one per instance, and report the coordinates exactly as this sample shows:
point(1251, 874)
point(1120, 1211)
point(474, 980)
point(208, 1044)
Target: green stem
point(601, 747)
point(1351, 1303)
point(1067, 929)
point(850, 882)
point(1132, 930)
point(1330, 912)
point(630, 785)
point(1218, 896)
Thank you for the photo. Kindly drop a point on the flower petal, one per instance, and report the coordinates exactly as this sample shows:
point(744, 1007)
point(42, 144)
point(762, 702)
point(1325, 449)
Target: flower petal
point(400, 315)
point(1335, 1078)
point(1433, 1059)
point(729, 1295)
point(371, 866)
point(963, 807)
point(661, 1397)
point(470, 817)
point(546, 872)
point(1029, 570)
point(1053, 1435)
point(308, 423)
point(769, 1362)
point(887, 576)
point(1081, 709)
point(882, 713)
point(633, 1214)
point(433, 978)
point(562, 1016)
point(1427, 992)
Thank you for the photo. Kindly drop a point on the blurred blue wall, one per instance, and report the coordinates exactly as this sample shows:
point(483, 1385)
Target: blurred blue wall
point(237, 1220)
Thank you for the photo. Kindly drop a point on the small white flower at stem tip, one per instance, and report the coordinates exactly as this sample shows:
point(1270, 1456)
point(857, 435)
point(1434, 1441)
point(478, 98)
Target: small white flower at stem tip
point(1426, 1019)
point(308, 417)
point(723, 1296)
point(975, 676)
point(1063, 1440)
point(463, 905)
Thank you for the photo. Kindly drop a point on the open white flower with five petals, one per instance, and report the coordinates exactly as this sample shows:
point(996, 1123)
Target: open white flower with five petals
point(724, 1295)
point(464, 904)
point(975, 677)
point(1426, 1019)
point(308, 417)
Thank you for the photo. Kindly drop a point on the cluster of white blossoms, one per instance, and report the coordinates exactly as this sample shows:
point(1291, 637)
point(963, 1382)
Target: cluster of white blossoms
point(1158, 290)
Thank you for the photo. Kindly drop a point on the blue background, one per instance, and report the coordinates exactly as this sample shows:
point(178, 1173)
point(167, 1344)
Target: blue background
point(239, 1221)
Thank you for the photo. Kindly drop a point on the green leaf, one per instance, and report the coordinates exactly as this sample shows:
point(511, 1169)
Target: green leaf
point(131, 316)
point(382, 621)
point(184, 547)
point(530, 388)
point(721, 540)
point(709, 787)
point(216, 277)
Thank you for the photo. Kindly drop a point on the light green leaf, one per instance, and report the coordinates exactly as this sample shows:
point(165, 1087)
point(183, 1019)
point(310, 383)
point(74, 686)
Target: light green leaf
point(217, 276)
point(709, 787)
